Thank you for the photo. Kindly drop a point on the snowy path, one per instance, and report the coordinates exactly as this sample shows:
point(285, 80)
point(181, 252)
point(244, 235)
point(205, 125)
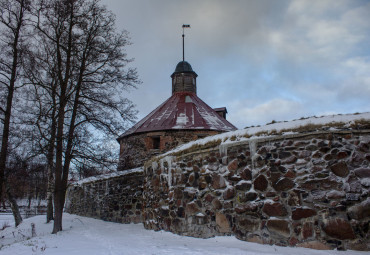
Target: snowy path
point(89, 236)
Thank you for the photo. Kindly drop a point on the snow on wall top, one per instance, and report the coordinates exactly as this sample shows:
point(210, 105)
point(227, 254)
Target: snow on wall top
point(108, 176)
point(184, 110)
point(332, 122)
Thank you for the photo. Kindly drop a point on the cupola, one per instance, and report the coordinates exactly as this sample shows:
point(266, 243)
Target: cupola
point(184, 78)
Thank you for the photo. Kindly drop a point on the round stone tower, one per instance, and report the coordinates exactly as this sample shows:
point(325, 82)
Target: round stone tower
point(180, 119)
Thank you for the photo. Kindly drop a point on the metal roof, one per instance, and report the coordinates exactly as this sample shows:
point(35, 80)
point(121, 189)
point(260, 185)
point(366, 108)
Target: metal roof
point(221, 109)
point(183, 110)
point(183, 66)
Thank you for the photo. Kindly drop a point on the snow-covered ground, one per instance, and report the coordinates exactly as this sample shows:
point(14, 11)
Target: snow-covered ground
point(6, 220)
point(83, 235)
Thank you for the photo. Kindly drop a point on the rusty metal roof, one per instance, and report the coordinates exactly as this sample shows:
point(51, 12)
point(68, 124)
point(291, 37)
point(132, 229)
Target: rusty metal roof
point(184, 110)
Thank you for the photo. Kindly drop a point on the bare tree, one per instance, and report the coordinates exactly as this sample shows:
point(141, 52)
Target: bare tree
point(41, 113)
point(12, 20)
point(90, 77)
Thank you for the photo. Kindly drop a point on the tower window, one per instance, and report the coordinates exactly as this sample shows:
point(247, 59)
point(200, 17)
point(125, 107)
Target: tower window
point(156, 142)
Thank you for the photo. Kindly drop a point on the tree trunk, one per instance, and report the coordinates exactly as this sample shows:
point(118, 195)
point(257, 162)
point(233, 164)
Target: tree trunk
point(29, 201)
point(8, 110)
point(61, 183)
point(60, 175)
point(59, 192)
point(2, 198)
point(50, 209)
point(50, 159)
point(14, 206)
point(58, 206)
point(58, 186)
point(50, 188)
point(6, 131)
point(58, 214)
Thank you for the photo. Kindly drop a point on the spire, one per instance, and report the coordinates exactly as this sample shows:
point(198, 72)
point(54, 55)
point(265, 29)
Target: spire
point(184, 78)
point(183, 40)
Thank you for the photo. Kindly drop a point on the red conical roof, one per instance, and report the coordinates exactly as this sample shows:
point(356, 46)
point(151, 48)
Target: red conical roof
point(183, 110)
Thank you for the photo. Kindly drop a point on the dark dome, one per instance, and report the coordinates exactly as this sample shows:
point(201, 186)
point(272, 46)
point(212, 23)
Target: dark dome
point(183, 67)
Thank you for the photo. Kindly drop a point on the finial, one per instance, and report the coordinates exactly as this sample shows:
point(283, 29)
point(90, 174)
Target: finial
point(183, 39)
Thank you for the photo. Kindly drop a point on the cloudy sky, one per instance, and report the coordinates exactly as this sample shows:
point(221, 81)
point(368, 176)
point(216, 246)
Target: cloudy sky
point(263, 59)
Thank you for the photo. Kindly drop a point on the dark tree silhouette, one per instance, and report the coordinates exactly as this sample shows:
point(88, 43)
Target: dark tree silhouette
point(90, 74)
point(13, 17)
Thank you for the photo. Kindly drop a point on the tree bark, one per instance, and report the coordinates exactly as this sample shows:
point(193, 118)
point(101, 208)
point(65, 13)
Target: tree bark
point(59, 191)
point(50, 191)
point(50, 159)
point(59, 199)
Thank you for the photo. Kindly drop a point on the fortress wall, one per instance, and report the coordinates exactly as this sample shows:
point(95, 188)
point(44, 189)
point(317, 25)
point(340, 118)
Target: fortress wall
point(116, 198)
point(309, 190)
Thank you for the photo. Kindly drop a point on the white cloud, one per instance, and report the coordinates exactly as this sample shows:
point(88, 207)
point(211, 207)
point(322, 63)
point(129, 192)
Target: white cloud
point(356, 87)
point(276, 109)
point(321, 31)
point(317, 7)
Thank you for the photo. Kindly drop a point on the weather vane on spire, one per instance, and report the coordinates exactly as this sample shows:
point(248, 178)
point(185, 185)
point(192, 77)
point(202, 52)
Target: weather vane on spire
point(183, 39)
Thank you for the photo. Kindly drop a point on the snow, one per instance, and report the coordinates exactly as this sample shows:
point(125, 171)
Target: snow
point(365, 182)
point(108, 176)
point(168, 160)
point(252, 133)
point(83, 235)
point(34, 202)
point(181, 120)
point(6, 220)
point(190, 190)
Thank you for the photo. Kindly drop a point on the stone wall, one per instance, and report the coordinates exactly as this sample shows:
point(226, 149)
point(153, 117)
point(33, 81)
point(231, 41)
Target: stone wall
point(309, 190)
point(115, 198)
point(136, 149)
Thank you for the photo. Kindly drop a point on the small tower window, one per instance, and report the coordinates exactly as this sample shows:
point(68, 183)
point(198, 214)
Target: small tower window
point(156, 142)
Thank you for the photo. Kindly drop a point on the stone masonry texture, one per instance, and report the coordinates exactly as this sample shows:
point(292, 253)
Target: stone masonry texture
point(117, 199)
point(309, 190)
